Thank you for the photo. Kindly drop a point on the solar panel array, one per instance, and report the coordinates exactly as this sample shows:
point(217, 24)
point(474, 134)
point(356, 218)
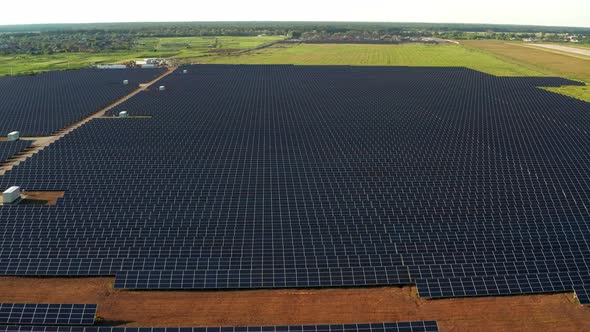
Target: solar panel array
point(47, 314)
point(42, 104)
point(419, 326)
point(288, 176)
point(10, 149)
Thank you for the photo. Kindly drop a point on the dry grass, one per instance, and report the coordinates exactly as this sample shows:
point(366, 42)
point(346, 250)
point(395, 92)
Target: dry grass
point(537, 59)
point(543, 60)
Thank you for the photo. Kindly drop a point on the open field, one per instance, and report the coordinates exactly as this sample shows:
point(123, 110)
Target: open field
point(555, 312)
point(536, 59)
point(377, 55)
point(545, 61)
point(186, 47)
point(145, 48)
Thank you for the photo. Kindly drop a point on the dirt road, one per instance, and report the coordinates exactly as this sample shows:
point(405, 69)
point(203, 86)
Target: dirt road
point(566, 49)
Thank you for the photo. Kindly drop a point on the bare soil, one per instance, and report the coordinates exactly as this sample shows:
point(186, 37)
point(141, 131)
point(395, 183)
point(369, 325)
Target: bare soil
point(42, 197)
point(556, 312)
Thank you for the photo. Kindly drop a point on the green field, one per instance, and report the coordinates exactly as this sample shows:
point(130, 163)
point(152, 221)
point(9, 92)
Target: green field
point(177, 48)
point(187, 47)
point(377, 55)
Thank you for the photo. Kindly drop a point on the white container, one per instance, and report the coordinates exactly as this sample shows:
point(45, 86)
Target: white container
point(162, 88)
point(123, 114)
point(125, 82)
point(11, 195)
point(13, 136)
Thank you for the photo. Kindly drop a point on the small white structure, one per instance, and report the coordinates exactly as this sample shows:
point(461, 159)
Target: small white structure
point(162, 88)
point(123, 114)
point(149, 65)
point(13, 136)
point(125, 82)
point(11, 195)
point(185, 71)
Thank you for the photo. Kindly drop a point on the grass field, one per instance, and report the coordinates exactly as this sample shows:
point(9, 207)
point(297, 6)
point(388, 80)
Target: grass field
point(377, 55)
point(145, 48)
point(187, 47)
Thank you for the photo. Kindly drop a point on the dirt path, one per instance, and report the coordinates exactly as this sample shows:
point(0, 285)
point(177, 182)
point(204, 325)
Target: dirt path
point(41, 143)
point(566, 49)
point(555, 312)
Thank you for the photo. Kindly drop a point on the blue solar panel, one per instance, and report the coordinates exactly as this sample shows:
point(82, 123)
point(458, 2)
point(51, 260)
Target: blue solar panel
point(245, 173)
point(418, 326)
point(271, 278)
point(47, 314)
point(42, 104)
point(11, 149)
point(507, 285)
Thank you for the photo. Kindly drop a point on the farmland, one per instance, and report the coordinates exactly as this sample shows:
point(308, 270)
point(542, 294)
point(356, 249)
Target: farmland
point(378, 55)
point(170, 47)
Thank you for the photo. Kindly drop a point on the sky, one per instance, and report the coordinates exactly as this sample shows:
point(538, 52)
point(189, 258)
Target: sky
point(535, 12)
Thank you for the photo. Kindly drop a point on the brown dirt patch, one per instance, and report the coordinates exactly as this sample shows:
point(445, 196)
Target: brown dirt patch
point(42, 197)
point(556, 312)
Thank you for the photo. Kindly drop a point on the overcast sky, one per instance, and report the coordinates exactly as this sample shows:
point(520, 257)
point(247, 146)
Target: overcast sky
point(538, 12)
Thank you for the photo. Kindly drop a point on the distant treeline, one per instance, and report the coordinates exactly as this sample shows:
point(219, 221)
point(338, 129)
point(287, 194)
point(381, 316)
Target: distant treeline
point(105, 37)
point(280, 28)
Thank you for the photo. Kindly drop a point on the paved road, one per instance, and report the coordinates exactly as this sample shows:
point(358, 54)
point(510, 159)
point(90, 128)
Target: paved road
point(567, 49)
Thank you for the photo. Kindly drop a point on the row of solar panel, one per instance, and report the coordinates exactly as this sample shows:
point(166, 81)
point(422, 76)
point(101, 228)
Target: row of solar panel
point(417, 326)
point(43, 104)
point(508, 285)
point(47, 314)
point(10, 149)
point(208, 257)
point(143, 244)
point(355, 230)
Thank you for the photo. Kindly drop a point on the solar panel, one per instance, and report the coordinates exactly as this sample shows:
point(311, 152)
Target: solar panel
point(39, 105)
point(506, 285)
point(47, 314)
point(10, 149)
point(305, 176)
point(271, 278)
point(417, 326)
